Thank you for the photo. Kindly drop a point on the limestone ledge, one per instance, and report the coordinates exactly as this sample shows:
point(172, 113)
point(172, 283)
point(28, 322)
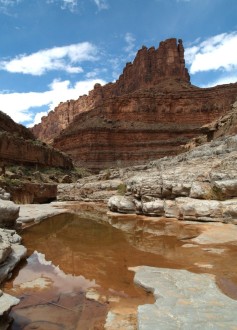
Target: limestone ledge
point(184, 300)
point(182, 208)
point(11, 252)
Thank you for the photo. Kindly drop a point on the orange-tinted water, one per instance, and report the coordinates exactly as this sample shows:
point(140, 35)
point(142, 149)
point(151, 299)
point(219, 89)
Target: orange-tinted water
point(77, 269)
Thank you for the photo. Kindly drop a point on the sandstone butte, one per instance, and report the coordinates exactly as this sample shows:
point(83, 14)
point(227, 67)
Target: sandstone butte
point(148, 113)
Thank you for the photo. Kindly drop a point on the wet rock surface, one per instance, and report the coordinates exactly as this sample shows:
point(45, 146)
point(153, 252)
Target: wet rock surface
point(183, 301)
point(11, 252)
point(35, 213)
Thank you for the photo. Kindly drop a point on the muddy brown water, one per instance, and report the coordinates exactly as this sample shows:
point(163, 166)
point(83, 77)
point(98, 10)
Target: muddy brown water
point(78, 269)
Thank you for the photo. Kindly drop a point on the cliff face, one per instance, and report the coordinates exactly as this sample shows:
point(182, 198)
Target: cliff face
point(150, 67)
point(8, 125)
point(18, 146)
point(148, 113)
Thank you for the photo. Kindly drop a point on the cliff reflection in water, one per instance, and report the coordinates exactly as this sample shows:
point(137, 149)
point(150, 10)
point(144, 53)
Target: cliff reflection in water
point(68, 257)
point(83, 247)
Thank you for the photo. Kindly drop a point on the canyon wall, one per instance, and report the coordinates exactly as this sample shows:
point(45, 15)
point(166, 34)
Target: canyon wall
point(18, 146)
point(149, 67)
point(148, 113)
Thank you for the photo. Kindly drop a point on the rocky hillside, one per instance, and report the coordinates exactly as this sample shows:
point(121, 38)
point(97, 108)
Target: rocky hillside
point(8, 125)
point(29, 169)
point(19, 146)
point(148, 113)
point(198, 185)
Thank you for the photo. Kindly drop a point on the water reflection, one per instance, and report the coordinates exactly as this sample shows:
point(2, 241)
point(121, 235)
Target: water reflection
point(74, 260)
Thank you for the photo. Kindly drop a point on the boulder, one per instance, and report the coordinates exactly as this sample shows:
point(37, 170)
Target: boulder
point(199, 210)
point(6, 302)
point(121, 204)
point(9, 212)
point(4, 195)
point(155, 207)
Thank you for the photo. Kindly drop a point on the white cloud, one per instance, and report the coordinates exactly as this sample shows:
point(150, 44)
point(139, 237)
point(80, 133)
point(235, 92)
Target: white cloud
point(215, 53)
point(19, 105)
point(63, 58)
point(130, 40)
point(5, 5)
point(71, 5)
point(101, 4)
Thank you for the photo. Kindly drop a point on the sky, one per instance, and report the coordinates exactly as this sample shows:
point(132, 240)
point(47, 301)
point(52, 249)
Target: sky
point(52, 51)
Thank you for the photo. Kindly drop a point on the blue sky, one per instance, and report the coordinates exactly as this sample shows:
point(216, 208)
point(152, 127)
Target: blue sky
point(56, 50)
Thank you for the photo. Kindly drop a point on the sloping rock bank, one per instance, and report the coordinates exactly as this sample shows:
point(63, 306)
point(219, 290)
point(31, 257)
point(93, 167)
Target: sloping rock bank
point(199, 185)
point(11, 252)
point(183, 301)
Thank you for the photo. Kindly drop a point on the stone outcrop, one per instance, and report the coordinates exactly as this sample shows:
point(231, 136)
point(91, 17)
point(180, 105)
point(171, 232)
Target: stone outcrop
point(17, 150)
point(199, 185)
point(148, 113)
point(20, 151)
point(9, 212)
point(19, 146)
point(225, 125)
point(6, 303)
point(11, 252)
point(8, 125)
point(183, 301)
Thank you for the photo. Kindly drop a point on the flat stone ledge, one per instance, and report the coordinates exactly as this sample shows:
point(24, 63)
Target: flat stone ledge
point(184, 301)
point(39, 212)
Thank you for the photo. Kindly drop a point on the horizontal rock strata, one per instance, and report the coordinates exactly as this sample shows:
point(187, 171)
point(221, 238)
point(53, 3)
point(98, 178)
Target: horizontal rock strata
point(141, 126)
point(19, 146)
point(15, 150)
point(148, 113)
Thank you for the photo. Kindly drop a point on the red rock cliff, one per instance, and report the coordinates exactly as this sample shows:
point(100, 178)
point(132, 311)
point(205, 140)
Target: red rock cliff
point(18, 146)
point(149, 67)
point(146, 114)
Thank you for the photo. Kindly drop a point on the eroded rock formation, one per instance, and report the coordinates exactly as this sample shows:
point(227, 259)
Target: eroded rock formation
point(148, 113)
point(11, 252)
point(199, 185)
point(21, 155)
point(19, 146)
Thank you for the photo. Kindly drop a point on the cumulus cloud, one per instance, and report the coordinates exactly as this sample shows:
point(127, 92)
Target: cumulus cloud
point(63, 58)
point(101, 4)
point(215, 53)
point(19, 105)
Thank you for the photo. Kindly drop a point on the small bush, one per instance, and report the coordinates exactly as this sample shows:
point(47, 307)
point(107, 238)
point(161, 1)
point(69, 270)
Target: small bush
point(122, 188)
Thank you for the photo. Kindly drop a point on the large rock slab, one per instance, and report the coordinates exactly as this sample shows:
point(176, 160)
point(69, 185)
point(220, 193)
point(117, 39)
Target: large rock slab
point(11, 252)
point(184, 301)
point(9, 212)
point(6, 302)
point(39, 212)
